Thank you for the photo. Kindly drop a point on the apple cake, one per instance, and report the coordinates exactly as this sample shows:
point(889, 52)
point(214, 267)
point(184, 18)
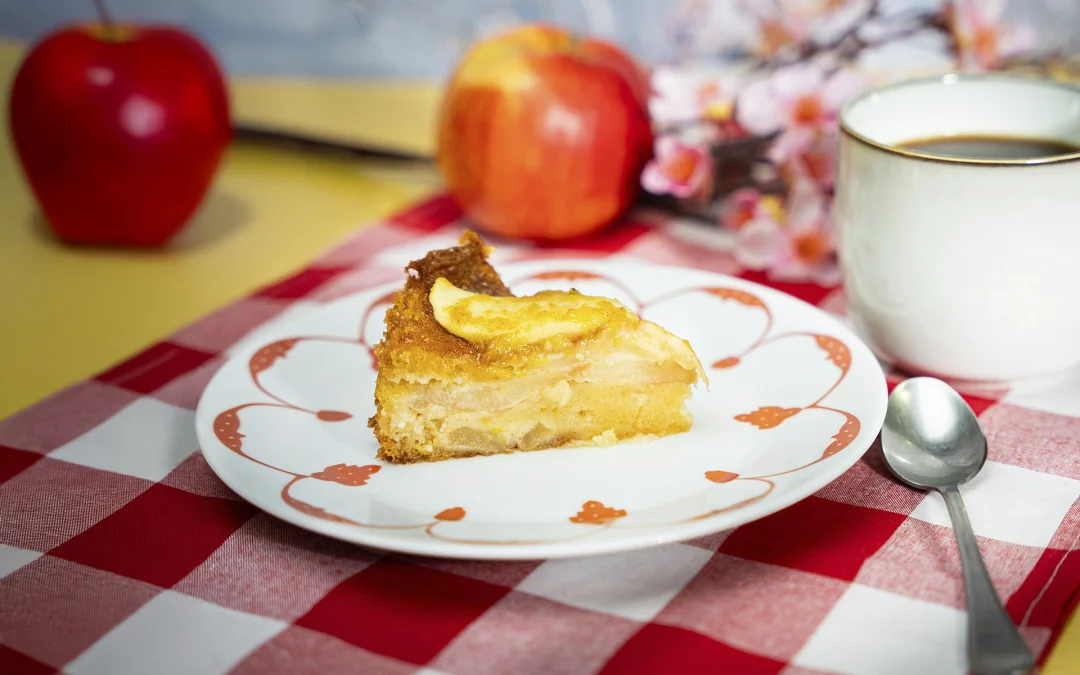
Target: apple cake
point(466, 368)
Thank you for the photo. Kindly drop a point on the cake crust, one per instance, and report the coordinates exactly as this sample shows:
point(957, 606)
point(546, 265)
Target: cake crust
point(414, 340)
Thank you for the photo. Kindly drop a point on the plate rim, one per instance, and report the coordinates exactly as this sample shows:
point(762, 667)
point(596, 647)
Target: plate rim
point(374, 539)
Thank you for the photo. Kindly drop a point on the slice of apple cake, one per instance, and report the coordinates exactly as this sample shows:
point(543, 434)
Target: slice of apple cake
point(465, 368)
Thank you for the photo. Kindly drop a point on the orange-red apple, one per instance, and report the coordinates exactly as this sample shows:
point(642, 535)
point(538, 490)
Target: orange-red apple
point(543, 135)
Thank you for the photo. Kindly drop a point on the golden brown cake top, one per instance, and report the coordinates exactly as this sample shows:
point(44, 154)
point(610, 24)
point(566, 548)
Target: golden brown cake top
point(478, 330)
point(413, 338)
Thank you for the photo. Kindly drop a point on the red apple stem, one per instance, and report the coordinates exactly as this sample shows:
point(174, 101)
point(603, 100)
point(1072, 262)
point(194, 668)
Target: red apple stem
point(107, 24)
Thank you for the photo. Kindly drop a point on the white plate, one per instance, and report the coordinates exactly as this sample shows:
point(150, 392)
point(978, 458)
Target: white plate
point(795, 400)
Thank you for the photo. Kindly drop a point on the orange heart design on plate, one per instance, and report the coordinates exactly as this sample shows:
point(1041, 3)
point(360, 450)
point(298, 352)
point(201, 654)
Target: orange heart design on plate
point(721, 476)
point(594, 512)
point(347, 474)
point(452, 514)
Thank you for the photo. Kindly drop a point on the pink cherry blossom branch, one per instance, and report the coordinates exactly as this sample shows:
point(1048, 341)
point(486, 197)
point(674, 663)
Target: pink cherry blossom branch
point(809, 50)
point(858, 44)
point(850, 44)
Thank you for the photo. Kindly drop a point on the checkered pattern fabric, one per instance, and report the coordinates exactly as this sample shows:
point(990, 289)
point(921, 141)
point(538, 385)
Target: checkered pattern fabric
point(121, 552)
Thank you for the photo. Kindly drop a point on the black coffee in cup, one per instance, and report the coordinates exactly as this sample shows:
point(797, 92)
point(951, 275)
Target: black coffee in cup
point(991, 147)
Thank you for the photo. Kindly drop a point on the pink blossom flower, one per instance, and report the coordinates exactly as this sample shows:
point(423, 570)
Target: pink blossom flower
point(801, 100)
point(817, 163)
point(677, 168)
point(686, 95)
point(802, 248)
point(775, 34)
point(983, 37)
point(746, 205)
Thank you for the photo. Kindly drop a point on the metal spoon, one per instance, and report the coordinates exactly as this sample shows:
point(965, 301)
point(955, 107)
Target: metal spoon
point(932, 440)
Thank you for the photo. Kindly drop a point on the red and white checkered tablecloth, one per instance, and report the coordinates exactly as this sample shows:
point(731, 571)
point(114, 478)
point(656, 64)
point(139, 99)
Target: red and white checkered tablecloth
point(121, 552)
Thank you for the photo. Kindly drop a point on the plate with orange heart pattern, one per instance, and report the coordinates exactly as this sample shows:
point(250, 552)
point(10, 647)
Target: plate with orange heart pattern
point(795, 399)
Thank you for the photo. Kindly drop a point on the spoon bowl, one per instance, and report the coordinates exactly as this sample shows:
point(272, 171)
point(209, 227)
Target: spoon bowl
point(931, 438)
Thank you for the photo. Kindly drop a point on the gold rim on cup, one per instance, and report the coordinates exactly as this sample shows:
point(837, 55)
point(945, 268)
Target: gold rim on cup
point(950, 79)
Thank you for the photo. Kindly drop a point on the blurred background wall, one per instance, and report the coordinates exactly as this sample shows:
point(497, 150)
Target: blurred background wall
point(422, 39)
point(368, 72)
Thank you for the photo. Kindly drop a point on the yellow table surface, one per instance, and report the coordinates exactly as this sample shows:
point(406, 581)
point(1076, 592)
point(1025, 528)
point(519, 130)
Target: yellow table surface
point(67, 313)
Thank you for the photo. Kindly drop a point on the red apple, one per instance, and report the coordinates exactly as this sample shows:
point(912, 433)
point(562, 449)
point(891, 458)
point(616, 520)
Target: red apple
point(543, 135)
point(119, 130)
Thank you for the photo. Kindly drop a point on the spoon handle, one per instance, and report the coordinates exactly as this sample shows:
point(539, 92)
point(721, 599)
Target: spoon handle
point(994, 645)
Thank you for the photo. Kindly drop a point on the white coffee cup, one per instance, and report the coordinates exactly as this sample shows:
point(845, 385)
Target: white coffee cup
point(965, 269)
